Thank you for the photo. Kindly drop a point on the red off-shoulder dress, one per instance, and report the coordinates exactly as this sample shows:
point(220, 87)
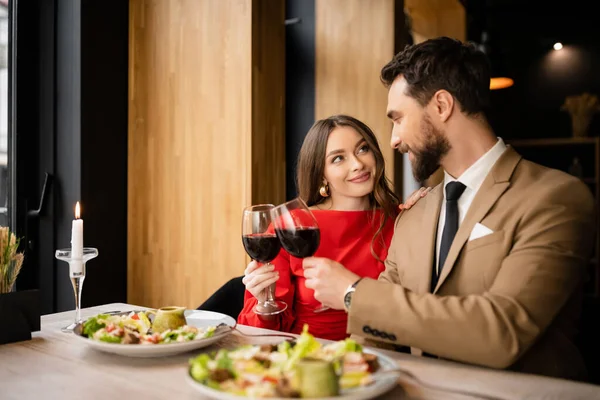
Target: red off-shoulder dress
point(346, 237)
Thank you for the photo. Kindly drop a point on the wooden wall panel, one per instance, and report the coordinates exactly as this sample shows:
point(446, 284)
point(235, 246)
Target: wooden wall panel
point(354, 40)
point(268, 94)
point(433, 18)
point(193, 119)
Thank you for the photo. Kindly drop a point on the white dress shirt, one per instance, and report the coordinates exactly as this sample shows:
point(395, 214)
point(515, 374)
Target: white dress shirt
point(472, 178)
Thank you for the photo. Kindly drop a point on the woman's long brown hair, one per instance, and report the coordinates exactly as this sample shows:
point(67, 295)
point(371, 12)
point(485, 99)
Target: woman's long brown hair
point(311, 166)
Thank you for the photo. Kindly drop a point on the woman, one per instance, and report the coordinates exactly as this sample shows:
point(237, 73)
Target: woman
point(341, 176)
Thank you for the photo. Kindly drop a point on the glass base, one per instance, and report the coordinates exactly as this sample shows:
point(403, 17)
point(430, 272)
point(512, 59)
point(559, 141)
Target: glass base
point(270, 307)
point(69, 329)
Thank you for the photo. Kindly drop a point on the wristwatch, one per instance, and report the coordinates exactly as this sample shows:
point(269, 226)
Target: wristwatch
point(348, 295)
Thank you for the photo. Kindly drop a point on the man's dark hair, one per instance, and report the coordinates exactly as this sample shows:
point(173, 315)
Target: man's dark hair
point(443, 63)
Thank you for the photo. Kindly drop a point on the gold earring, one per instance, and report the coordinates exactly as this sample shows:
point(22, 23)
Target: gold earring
point(324, 190)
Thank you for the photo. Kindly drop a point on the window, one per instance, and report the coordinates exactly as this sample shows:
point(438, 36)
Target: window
point(4, 15)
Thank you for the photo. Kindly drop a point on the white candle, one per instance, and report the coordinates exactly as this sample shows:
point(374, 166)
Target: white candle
point(77, 235)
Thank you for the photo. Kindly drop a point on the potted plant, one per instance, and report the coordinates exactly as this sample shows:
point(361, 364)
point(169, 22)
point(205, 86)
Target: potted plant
point(581, 108)
point(10, 260)
point(19, 310)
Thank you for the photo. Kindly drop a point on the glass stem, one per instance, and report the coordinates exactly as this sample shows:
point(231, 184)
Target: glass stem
point(77, 282)
point(270, 292)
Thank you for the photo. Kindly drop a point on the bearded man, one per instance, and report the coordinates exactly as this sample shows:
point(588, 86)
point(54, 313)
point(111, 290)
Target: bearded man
point(488, 268)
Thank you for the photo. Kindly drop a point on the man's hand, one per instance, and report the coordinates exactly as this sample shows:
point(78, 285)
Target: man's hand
point(329, 280)
point(413, 198)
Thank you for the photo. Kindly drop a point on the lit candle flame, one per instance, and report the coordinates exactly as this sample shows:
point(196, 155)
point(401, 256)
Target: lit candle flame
point(77, 211)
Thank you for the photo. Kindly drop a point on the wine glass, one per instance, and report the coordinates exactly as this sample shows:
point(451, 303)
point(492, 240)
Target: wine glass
point(262, 245)
point(77, 274)
point(297, 230)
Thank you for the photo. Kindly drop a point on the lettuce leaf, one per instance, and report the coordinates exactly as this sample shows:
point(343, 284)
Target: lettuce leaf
point(305, 345)
point(209, 332)
point(145, 320)
point(342, 347)
point(199, 367)
point(285, 348)
point(108, 338)
point(224, 362)
point(94, 324)
point(353, 379)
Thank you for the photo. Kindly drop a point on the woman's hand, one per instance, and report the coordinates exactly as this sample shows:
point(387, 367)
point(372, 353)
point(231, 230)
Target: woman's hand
point(416, 196)
point(259, 277)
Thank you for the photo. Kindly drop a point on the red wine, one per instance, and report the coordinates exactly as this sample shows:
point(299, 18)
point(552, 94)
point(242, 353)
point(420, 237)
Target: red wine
point(300, 242)
point(262, 248)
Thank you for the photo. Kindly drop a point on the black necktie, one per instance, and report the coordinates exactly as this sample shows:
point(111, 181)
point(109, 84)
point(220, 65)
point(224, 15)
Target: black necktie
point(453, 192)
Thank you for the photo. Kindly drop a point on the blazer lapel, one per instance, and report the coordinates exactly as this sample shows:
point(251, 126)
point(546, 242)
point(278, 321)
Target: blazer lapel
point(425, 249)
point(494, 185)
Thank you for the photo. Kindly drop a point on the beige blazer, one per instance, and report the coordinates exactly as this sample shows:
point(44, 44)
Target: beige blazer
point(509, 299)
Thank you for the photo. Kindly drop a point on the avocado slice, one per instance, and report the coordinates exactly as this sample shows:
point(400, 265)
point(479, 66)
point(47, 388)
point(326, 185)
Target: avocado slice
point(316, 378)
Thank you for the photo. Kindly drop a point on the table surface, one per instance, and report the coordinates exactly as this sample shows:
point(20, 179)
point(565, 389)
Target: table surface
point(55, 365)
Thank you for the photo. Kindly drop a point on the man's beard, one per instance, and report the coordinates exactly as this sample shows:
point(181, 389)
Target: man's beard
point(427, 159)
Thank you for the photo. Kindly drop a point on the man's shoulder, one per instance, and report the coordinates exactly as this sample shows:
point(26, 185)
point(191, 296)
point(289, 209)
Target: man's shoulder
point(416, 212)
point(545, 176)
point(537, 180)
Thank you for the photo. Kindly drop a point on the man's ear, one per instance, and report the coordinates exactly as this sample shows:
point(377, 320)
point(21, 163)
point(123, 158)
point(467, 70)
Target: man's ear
point(443, 104)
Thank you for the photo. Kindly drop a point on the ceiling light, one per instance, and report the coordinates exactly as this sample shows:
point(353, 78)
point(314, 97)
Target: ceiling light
point(499, 80)
point(500, 83)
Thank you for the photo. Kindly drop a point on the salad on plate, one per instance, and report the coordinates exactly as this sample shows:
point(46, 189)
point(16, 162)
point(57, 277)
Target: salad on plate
point(300, 368)
point(135, 327)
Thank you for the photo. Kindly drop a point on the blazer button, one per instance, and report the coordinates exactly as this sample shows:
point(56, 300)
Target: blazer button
point(367, 329)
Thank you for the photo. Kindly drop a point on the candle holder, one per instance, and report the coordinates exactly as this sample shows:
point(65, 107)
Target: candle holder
point(77, 274)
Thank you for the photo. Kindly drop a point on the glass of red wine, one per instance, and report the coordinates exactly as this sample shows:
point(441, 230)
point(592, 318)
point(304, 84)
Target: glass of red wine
point(297, 230)
point(261, 244)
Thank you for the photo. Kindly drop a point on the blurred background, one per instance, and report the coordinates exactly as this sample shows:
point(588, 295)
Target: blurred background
point(166, 118)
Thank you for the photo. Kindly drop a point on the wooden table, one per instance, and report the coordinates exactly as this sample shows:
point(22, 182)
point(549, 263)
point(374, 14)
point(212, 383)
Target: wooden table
point(53, 365)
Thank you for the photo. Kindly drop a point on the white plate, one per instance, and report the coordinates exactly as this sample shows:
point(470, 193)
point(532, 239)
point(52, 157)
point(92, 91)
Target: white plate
point(197, 318)
point(382, 385)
